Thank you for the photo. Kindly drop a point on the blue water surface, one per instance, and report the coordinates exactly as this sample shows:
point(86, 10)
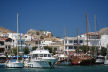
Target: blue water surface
point(93, 68)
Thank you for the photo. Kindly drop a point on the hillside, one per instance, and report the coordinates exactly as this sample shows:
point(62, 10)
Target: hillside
point(103, 31)
point(4, 30)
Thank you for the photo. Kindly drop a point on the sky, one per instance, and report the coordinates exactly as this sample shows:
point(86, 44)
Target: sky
point(54, 15)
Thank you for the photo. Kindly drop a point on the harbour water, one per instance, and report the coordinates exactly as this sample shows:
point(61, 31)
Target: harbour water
point(94, 68)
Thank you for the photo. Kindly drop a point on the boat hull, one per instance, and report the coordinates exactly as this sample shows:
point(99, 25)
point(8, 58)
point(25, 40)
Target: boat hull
point(99, 61)
point(15, 65)
point(41, 63)
point(2, 65)
point(106, 62)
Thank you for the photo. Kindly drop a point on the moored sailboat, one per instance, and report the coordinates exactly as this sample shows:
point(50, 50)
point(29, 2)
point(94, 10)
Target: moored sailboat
point(16, 63)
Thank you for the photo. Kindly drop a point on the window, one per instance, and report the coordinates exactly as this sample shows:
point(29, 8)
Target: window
point(81, 41)
point(45, 55)
point(75, 41)
point(65, 47)
point(70, 47)
point(1, 43)
point(70, 41)
point(75, 47)
point(25, 36)
point(41, 55)
point(35, 55)
point(49, 55)
point(65, 41)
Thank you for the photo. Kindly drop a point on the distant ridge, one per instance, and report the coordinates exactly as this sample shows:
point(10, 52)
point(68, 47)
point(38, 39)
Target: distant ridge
point(104, 31)
point(4, 30)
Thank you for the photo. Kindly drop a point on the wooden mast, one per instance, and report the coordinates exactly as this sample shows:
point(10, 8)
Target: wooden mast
point(64, 38)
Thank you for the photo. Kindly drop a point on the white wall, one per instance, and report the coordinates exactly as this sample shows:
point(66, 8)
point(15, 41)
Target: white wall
point(104, 40)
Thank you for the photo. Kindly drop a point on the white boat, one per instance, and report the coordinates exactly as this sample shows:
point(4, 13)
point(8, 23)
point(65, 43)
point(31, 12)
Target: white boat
point(17, 63)
point(2, 61)
point(106, 62)
point(63, 60)
point(106, 59)
point(40, 58)
point(100, 59)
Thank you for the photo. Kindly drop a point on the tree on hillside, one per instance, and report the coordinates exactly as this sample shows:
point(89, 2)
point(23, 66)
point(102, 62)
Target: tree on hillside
point(103, 51)
point(34, 48)
point(26, 50)
point(41, 37)
point(48, 48)
point(37, 33)
point(14, 51)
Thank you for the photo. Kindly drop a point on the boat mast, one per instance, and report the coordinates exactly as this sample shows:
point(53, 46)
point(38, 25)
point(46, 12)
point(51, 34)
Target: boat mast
point(95, 22)
point(86, 33)
point(64, 38)
point(77, 50)
point(95, 33)
point(38, 44)
point(17, 34)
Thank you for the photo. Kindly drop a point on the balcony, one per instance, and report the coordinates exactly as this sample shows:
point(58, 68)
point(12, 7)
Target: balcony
point(8, 43)
point(2, 46)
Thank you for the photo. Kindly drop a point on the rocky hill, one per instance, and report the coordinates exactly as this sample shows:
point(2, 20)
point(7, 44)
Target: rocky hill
point(4, 30)
point(44, 35)
point(103, 31)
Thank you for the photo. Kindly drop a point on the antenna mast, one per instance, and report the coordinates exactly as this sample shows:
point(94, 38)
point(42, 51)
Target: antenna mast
point(77, 50)
point(64, 37)
point(17, 33)
point(86, 32)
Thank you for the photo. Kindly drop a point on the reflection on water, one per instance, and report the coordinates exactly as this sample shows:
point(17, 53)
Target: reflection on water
point(94, 68)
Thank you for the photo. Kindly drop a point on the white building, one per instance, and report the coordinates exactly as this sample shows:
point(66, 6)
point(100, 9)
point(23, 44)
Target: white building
point(71, 43)
point(2, 46)
point(104, 41)
point(27, 37)
point(104, 37)
point(93, 39)
point(16, 39)
point(47, 33)
point(46, 43)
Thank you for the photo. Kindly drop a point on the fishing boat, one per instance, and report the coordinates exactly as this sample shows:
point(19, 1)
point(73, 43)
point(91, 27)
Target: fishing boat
point(63, 60)
point(81, 57)
point(100, 59)
point(16, 63)
point(2, 61)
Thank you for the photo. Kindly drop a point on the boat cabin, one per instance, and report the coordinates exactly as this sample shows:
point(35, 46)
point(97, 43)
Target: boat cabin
point(40, 54)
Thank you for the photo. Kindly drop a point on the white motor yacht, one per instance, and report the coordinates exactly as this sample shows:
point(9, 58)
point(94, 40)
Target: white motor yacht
point(40, 58)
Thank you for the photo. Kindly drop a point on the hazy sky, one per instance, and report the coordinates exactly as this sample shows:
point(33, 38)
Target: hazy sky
point(54, 15)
